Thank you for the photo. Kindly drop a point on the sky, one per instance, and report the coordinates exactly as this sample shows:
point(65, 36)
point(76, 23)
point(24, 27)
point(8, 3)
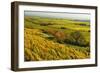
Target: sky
point(65, 15)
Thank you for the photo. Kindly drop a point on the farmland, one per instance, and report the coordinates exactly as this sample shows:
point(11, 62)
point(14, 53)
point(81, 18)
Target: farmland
point(55, 39)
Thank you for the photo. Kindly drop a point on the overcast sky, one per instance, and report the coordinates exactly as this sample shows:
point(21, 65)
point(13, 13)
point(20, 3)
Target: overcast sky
point(67, 15)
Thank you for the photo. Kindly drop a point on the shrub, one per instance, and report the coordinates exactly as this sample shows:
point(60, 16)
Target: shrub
point(58, 35)
point(88, 30)
point(51, 31)
point(45, 23)
point(63, 27)
point(83, 24)
point(76, 38)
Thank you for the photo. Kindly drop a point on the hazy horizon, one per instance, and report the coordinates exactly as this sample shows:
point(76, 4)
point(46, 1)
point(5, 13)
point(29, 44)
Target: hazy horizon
point(65, 15)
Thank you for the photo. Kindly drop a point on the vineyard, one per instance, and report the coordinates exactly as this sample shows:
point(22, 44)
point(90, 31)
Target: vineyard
point(55, 39)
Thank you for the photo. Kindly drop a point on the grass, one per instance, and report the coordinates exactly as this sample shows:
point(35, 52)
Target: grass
point(52, 39)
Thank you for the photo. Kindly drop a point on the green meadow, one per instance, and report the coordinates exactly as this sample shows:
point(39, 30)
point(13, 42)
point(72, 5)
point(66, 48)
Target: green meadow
point(55, 39)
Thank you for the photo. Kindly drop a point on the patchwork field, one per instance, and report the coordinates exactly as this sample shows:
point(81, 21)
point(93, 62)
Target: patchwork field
point(55, 39)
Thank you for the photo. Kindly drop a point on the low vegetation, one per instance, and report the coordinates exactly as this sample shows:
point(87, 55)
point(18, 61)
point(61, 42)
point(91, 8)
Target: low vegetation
point(55, 39)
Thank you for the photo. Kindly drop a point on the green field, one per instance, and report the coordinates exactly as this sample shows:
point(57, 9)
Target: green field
point(55, 39)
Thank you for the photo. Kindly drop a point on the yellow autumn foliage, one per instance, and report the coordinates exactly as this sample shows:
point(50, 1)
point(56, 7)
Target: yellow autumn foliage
point(38, 48)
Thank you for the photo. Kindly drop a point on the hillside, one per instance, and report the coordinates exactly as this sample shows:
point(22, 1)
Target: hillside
point(56, 39)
